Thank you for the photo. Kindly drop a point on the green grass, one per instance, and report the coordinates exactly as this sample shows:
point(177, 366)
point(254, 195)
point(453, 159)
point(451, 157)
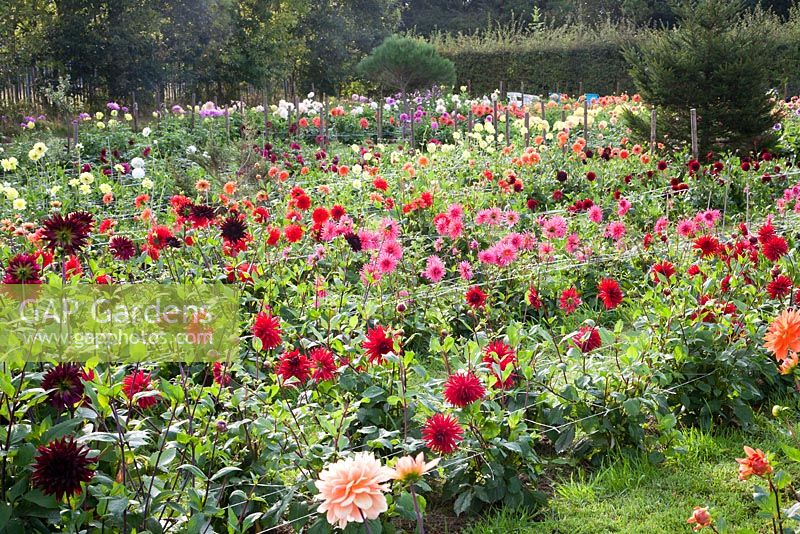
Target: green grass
point(635, 496)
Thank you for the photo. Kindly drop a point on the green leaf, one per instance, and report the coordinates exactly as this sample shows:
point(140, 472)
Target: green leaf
point(791, 452)
point(632, 407)
point(224, 471)
point(463, 501)
point(565, 439)
point(194, 470)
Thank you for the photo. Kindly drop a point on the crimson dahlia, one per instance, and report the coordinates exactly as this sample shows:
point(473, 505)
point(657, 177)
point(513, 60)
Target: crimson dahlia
point(61, 467)
point(442, 433)
point(462, 389)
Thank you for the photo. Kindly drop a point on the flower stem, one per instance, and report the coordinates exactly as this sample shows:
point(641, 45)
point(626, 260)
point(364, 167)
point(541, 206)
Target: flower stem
point(420, 525)
point(366, 522)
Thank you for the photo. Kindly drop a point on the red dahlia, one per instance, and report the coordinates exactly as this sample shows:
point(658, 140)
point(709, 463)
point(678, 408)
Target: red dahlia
point(138, 382)
point(294, 365)
point(378, 344)
point(23, 269)
point(61, 467)
point(233, 229)
point(121, 247)
point(665, 269)
point(323, 364)
point(570, 300)
point(221, 374)
point(779, 287)
point(462, 389)
point(587, 339)
point(774, 248)
point(475, 297)
point(68, 234)
point(442, 433)
point(707, 245)
point(501, 355)
point(609, 292)
point(533, 298)
point(63, 385)
point(267, 328)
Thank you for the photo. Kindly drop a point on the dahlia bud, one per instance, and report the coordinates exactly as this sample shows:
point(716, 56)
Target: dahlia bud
point(222, 426)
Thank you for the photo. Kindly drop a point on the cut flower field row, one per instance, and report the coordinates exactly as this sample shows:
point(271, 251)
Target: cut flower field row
point(422, 326)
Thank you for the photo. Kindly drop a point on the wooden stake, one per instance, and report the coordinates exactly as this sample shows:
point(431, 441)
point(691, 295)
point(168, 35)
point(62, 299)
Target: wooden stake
point(544, 116)
point(652, 130)
point(527, 132)
point(494, 123)
point(379, 125)
point(508, 128)
point(693, 118)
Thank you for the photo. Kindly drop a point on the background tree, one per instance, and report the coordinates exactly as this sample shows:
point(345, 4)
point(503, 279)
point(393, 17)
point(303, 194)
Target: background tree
point(406, 64)
point(338, 34)
point(713, 61)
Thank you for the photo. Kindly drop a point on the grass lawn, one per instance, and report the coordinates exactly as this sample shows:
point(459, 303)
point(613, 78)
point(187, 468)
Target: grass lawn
point(635, 496)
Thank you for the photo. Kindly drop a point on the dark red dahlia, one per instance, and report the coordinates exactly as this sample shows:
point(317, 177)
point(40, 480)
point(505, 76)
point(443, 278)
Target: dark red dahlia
point(121, 247)
point(233, 229)
point(475, 297)
point(323, 364)
point(294, 365)
point(774, 247)
point(139, 382)
point(354, 241)
point(67, 234)
point(201, 215)
point(64, 385)
point(462, 389)
point(779, 287)
point(23, 269)
point(378, 344)
point(498, 356)
point(442, 433)
point(609, 292)
point(587, 339)
point(267, 328)
point(337, 212)
point(60, 468)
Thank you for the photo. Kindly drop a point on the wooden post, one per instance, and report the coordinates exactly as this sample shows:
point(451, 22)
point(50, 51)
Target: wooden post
point(580, 88)
point(502, 90)
point(527, 132)
point(266, 114)
point(194, 99)
point(469, 87)
point(296, 108)
point(652, 130)
point(404, 130)
point(227, 121)
point(508, 128)
point(693, 118)
point(289, 124)
point(135, 113)
point(544, 116)
point(494, 123)
point(617, 88)
point(379, 121)
point(75, 128)
point(323, 119)
point(469, 121)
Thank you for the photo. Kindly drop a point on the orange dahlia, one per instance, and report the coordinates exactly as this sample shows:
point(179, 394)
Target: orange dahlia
point(783, 334)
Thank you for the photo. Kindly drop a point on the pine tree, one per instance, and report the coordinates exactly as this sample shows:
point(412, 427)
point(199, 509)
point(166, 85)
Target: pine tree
point(717, 61)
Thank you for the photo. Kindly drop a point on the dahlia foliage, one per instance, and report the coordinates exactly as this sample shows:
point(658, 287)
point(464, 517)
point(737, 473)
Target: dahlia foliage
point(417, 323)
